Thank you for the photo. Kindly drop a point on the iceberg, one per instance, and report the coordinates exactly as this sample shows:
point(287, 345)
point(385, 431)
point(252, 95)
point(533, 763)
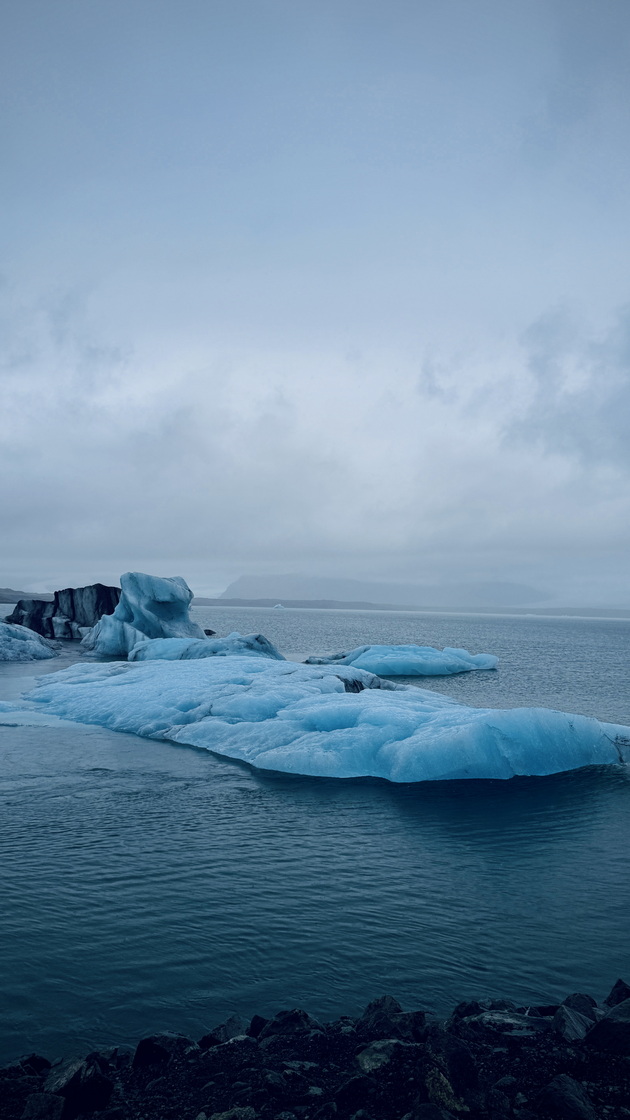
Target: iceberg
point(149, 607)
point(18, 643)
point(189, 649)
point(325, 721)
point(409, 661)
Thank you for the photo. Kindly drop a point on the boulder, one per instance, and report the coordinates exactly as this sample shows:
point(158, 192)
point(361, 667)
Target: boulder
point(586, 1005)
point(619, 992)
point(43, 1106)
point(83, 1084)
point(385, 1018)
point(149, 607)
point(612, 1033)
point(160, 1049)
point(566, 1099)
point(571, 1025)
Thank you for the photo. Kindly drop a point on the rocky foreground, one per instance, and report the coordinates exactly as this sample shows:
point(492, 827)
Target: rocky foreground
point(491, 1059)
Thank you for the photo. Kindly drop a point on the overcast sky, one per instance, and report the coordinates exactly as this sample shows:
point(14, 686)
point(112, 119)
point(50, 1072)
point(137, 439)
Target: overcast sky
point(326, 286)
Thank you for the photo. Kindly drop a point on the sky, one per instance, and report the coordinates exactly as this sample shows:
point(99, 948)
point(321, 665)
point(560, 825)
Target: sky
point(338, 287)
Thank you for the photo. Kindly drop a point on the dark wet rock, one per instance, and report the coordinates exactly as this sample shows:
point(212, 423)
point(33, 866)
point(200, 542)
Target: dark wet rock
point(83, 1083)
point(612, 1033)
point(586, 1005)
point(159, 1049)
point(571, 1025)
point(481, 1066)
point(231, 1028)
point(425, 1110)
point(288, 1023)
point(72, 610)
point(235, 1114)
point(619, 992)
point(34, 1063)
point(508, 1026)
point(355, 1093)
point(438, 1090)
point(566, 1099)
point(256, 1025)
point(385, 1018)
point(209, 633)
point(498, 1103)
point(544, 1010)
point(385, 1052)
point(455, 1058)
point(43, 1106)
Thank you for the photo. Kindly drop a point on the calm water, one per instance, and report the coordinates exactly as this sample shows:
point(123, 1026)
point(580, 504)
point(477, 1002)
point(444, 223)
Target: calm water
point(148, 886)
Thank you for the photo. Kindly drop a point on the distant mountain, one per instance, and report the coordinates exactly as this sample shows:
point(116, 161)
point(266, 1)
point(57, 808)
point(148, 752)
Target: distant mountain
point(451, 595)
point(8, 595)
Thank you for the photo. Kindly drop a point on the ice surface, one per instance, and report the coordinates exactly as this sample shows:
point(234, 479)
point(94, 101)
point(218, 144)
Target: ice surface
point(149, 607)
point(409, 661)
point(18, 643)
point(189, 649)
point(306, 719)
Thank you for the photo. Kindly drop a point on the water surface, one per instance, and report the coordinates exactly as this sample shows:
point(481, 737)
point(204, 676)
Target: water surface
point(149, 886)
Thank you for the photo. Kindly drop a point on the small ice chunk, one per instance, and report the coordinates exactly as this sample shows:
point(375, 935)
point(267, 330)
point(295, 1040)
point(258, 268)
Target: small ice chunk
point(409, 661)
point(18, 643)
point(190, 649)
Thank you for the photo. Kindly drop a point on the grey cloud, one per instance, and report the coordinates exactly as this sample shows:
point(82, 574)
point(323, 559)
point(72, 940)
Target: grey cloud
point(580, 404)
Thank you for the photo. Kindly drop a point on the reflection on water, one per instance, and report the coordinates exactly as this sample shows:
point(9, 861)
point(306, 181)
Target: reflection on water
point(149, 886)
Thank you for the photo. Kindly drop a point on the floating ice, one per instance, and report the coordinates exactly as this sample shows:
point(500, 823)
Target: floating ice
point(149, 607)
point(18, 643)
point(190, 649)
point(333, 721)
point(409, 661)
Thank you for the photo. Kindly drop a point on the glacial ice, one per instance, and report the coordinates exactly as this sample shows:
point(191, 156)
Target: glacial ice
point(409, 661)
point(18, 643)
point(149, 607)
point(189, 649)
point(333, 721)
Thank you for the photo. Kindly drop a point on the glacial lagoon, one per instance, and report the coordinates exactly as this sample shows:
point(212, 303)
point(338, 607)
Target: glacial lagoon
point(148, 885)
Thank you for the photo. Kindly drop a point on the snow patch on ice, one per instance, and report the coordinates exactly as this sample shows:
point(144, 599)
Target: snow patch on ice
point(410, 660)
point(301, 719)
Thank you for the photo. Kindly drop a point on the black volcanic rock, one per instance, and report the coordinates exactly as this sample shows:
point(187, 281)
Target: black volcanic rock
point(72, 608)
point(484, 1064)
point(617, 994)
point(567, 1099)
point(613, 1031)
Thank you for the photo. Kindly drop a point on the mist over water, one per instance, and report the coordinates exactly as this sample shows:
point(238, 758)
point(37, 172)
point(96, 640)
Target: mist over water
point(151, 886)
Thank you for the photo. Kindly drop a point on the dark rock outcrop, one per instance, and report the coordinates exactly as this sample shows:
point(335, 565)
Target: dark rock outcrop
point(72, 612)
point(481, 1064)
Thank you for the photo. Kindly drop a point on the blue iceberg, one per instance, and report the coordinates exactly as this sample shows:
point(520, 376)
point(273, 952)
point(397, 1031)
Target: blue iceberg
point(149, 607)
point(325, 721)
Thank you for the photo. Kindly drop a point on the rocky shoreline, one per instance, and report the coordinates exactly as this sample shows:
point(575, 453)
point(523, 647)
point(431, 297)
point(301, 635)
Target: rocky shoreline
point(491, 1060)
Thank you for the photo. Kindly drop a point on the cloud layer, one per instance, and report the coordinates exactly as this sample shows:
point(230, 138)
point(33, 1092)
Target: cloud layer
point(332, 289)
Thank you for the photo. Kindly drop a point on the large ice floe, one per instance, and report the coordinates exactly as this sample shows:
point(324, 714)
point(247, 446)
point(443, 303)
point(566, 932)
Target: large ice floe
point(149, 607)
point(325, 721)
point(409, 661)
point(18, 643)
